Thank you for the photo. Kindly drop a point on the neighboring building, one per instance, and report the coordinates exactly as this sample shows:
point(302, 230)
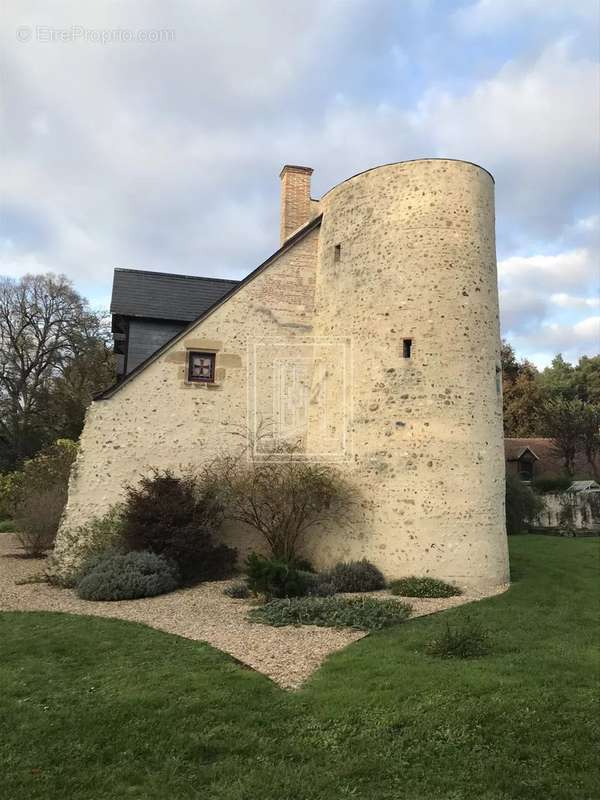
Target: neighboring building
point(149, 308)
point(535, 457)
point(520, 458)
point(372, 336)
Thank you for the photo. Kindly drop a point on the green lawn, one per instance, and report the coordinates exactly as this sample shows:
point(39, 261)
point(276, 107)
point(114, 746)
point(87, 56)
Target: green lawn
point(95, 708)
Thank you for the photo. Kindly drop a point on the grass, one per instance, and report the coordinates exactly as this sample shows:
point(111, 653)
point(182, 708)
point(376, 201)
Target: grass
point(98, 709)
point(7, 526)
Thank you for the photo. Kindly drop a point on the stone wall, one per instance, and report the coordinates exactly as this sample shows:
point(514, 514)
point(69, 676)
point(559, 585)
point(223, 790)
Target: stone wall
point(158, 419)
point(416, 260)
point(566, 512)
point(316, 340)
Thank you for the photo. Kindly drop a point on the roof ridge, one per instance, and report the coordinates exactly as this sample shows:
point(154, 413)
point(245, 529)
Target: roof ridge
point(175, 275)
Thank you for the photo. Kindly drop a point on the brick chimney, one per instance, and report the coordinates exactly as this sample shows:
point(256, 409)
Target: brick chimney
point(295, 199)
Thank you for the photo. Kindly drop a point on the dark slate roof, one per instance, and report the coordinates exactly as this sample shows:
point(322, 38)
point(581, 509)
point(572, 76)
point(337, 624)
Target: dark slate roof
point(289, 243)
point(162, 295)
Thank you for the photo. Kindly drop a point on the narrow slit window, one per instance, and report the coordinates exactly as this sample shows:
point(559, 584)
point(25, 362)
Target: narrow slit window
point(407, 348)
point(337, 252)
point(201, 367)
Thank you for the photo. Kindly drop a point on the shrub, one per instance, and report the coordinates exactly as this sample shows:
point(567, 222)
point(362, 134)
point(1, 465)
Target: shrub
point(366, 613)
point(545, 485)
point(468, 640)
point(37, 519)
point(279, 493)
point(238, 590)
point(11, 486)
point(50, 467)
point(7, 526)
point(274, 578)
point(303, 564)
point(101, 535)
point(423, 587)
point(356, 576)
point(317, 584)
point(41, 495)
point(128, 576)
point(177, 517)
point(522, 505)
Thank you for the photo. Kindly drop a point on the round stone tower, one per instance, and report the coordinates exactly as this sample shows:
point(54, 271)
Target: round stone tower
point(406, 277)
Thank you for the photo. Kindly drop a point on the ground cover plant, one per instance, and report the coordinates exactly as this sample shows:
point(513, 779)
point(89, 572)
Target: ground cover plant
point(364, 613)
point(414, 586)
point(98, 709)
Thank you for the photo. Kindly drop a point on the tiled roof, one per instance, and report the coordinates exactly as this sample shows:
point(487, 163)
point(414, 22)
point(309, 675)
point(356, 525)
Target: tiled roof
point(549, 461)
point(514, 448)
point(162, 295)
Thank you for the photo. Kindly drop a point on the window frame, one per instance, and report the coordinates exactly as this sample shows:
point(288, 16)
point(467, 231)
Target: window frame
point(211, 356)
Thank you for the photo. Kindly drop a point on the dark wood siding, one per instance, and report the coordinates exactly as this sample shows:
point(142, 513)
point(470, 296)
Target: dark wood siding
point(146, 336)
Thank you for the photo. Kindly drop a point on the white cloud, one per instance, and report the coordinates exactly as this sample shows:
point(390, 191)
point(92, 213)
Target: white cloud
point(166, 155)
point(575, 269)
point(542, 299)
point(569, 301)
point(536, 126)
point(489, 16)
point(573, 341)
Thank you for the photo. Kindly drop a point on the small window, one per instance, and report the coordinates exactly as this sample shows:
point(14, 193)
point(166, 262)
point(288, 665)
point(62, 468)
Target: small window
point(337, 252)
point(201, 367)
point(407, 348)
point(525, 470)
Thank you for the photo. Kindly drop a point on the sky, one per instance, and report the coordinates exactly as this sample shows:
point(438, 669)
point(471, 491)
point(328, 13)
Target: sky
point(151, 134)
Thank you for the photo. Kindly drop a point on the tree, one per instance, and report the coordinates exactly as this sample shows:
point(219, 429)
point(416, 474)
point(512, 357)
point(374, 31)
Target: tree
point(522, 395)
point(590, 436)
point(558, 380)
point(46, 329)
point(522, 505)
point(586, 379)
point(566, 421)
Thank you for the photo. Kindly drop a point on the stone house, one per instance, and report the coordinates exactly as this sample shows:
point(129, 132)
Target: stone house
point(372, 336)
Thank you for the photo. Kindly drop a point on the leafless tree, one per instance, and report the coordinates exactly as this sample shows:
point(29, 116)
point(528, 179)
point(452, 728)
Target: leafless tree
point(45, 326)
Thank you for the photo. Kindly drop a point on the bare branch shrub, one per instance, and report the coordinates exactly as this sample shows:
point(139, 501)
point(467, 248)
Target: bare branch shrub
point(279, 492)
point(37, 520)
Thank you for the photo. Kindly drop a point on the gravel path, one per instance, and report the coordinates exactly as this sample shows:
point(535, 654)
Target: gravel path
point(287, 655)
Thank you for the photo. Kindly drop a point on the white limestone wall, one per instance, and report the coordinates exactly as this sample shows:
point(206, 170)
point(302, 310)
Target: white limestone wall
point(417, 260)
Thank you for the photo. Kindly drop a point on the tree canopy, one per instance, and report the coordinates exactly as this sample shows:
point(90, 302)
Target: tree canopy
point(561, 402)
point(54, 355)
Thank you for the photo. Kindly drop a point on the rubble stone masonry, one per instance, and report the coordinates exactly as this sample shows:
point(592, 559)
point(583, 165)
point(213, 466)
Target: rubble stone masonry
point(387, 306)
